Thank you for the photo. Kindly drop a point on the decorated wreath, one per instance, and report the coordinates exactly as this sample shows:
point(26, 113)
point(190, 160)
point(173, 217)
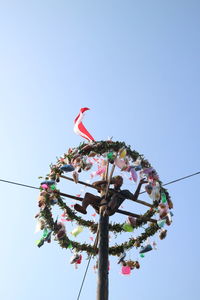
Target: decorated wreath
point(95, 157)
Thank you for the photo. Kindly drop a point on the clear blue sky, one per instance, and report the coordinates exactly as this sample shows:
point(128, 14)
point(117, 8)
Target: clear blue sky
point(136, 64)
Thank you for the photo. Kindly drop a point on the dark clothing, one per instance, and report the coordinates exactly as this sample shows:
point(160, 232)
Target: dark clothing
point(117, 199)
point(114, 200)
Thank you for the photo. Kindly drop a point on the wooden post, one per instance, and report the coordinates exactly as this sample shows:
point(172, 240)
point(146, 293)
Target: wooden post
point(102, 288)
point(102, 285)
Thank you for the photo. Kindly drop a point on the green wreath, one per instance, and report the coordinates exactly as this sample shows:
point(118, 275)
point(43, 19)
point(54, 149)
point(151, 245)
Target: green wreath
point(77, 158)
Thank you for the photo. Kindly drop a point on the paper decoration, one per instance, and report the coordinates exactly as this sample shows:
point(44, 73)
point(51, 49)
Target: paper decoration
point(148, 188)
point(145, 249)
point(122, 153)
point(110, 155)
point(88, 166)
point(169, 216)
point(133, 174)
point(132, 221)
point(54, 201)
point(161, 223)
point(162, 234)
point(40, 225)
point(76, 259)
point(79, 260)
point(61, 230)
point(120, 163)
point(45, 233)
point(100, 170)
point(155, 194)
point(126, 270)
point(163, 197)
point(67, 168)
point(53, 187)
point(163, 210)
point(48, 182)
point(40, 243)
point(138, 168)
point(147, 170)
point(44, 186)
point(41, 201)
point(79, 128)
point(75, 176)
point(77, 231)
point(70, 246)
point(46, 237)
point(127, 227)
point(137, 162)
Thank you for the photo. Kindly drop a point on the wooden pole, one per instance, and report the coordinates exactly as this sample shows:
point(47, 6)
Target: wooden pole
point(70, 196)
point(127, 213)
point(102, 286)
point(81, 182)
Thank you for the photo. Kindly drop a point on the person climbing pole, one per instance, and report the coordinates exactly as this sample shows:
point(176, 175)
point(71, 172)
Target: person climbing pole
point(114, 199)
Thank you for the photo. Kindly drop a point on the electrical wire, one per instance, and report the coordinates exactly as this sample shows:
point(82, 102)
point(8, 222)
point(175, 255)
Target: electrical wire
point(21, 184)
point(95, 245)
point(84, 278)
point(176, 180)
point(37, 188)
point(181, 178)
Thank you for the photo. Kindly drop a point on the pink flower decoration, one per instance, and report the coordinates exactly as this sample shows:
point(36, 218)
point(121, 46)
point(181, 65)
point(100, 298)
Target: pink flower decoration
point(101, 170)
point(126, 270)
point(44, 186)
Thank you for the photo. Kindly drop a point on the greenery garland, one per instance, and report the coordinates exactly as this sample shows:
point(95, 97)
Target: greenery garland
point(116, 228)
point(78, 156)
point(65, 242)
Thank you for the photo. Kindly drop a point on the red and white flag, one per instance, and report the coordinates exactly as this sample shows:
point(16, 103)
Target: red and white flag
point(79, 128)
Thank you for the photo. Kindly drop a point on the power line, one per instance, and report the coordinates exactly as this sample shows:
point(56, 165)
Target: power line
point(95, 245)
point(21, 184)
point(84, 277)
point(170, 182)
point(37, 188)
point(181, 178)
